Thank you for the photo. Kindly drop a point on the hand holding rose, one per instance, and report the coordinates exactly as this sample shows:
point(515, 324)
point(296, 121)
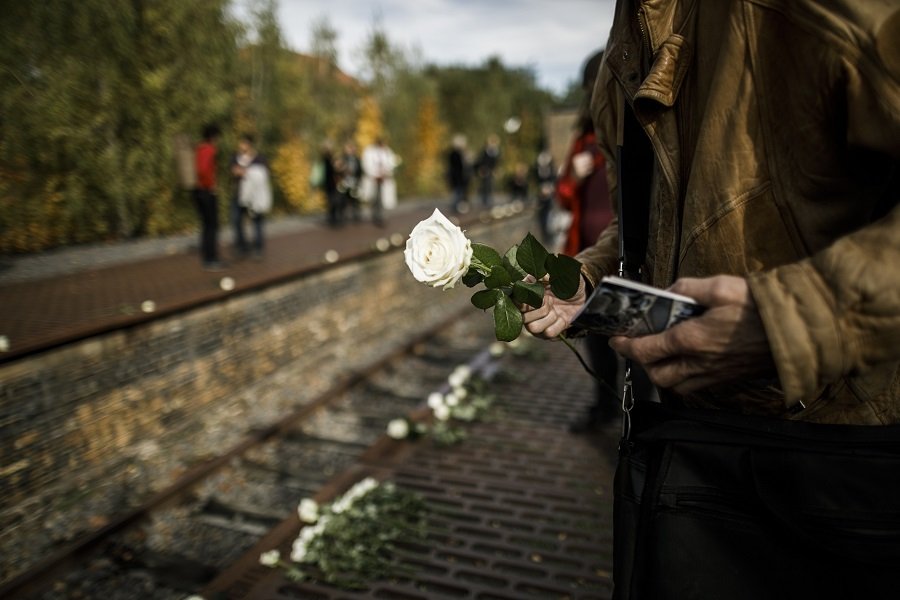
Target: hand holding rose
point(439, 254)
point(554, 315)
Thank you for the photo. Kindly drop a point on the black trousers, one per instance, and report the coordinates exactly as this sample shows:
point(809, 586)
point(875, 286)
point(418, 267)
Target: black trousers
point(208, 210)
point(710, 505)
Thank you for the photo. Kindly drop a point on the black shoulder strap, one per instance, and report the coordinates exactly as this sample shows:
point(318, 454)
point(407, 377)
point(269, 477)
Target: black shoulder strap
point(634, 173)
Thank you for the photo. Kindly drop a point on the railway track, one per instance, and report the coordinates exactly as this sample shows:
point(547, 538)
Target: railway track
point(182, 537)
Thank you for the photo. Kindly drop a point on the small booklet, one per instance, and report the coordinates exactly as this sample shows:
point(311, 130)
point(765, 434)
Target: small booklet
point(623, 307)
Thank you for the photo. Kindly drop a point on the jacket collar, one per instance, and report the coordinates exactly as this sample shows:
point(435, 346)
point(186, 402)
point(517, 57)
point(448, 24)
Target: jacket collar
point(649, 48)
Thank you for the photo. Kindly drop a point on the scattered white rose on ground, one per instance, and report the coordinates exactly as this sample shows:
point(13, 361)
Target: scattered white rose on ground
point(442, 412)
point(460, 392)
point(270, 558)
point(148, 306)
point(308, 511)
point(398, 429)
point(451, 400)
point(383, 244)
point(435, 399)
point(496, 349)
point(397, 239)
point(226, 283)
point(332, 256)
point(460, 376)
point(4, 343)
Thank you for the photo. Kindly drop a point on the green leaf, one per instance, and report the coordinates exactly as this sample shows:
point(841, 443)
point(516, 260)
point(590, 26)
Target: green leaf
point(507, 319)
point(512, 266)
point(531, 294)
point(531, 256)
point(486, 257)
point(472, 277)
point(486, 298)
point(498, 278)
point(565, 275)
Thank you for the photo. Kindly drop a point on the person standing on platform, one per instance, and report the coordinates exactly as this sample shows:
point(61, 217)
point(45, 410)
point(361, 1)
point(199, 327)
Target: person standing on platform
point(458, 174)
point(206, 199)
point(349, 174)
point(517, 184)
point(379, 187)
point(334, 200)
point(485, 168)
point(544, 175)
point(244, 160)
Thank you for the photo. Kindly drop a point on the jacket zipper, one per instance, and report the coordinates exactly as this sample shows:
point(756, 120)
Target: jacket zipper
point(645, 41)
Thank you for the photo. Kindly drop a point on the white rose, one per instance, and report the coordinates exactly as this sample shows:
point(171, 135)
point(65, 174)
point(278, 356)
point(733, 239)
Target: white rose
point(451, 399)
point(435, 399)
point(308, 510)
point(438, 252)
point(398, 429)
point(270, 558)
point(497, 349)
point(460, 392)
point(459, 376)
point(442, 412)
point(298, 551)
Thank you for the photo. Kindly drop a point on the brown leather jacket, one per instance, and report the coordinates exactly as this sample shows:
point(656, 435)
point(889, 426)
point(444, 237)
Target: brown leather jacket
point(776, 130)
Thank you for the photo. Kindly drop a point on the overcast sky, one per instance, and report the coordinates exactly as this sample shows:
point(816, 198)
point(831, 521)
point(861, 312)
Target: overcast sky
point(552, 36)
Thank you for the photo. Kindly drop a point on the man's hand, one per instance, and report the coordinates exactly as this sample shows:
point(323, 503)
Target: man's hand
point(553, 316)
point(726, 343)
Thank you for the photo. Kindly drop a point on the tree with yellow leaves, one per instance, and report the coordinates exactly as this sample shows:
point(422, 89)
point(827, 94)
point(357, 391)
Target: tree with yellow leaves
point(291, 168)
point(370, 126)
point(427, 165)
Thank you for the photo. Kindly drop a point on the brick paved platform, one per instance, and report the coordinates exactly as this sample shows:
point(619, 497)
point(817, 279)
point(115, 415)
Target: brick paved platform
point(521, 509)
point(44, 313)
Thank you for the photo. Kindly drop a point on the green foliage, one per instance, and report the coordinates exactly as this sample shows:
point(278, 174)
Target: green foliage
point(485, 299)
point(93, 93)
point(507, 319)
point(89, 107)
point(508, 286)
point(565, 275)
point(531, 256)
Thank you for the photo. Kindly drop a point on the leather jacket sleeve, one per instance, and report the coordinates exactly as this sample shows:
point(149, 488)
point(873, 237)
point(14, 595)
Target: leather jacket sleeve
point(837, 313)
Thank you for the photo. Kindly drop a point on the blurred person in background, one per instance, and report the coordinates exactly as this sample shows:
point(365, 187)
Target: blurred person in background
point(349, 174)
point(458, 172)
point(379, 187)
point(518, 183)
point(485, 168)
point(205, 197)
point(334, 199)
point(544, 174)
point(249, 198)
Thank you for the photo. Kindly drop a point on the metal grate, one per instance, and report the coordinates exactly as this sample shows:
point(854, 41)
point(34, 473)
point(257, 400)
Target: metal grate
point(520, 510)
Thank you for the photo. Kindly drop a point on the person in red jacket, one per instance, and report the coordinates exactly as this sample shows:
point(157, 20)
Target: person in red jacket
point(582, 189)
point(206, 199)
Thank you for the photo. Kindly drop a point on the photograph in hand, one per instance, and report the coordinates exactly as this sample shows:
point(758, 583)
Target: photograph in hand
point(622, 307)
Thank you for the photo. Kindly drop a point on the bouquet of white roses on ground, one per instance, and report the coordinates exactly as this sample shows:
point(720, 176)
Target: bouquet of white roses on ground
point(439, 254)
point(468, 400)
point(351, 540)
